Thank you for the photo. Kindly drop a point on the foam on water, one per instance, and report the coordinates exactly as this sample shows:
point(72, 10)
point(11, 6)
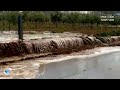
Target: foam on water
point(32, 68)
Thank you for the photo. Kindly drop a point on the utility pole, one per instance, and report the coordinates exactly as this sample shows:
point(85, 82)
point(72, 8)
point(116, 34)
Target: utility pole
point(20, 27)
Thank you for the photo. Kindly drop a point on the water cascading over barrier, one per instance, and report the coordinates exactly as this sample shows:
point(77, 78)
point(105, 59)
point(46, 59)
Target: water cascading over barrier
point(55, 46)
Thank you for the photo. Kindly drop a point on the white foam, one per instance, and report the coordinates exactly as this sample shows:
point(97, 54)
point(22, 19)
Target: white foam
point(97, 52)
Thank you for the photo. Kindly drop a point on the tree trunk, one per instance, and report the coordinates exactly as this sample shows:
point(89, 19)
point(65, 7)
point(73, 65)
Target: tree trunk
point(3, 23)
point(39, 25)
point(97, 24)
point(36, 24)
point(83, 24)
point(80, 24)
point(72, 25)
point(9, 26)
point(91, 25)
point(56, 24)
point(49, 26)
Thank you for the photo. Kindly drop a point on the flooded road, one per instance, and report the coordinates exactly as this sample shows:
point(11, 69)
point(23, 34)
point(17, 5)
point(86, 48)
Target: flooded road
point(101, 67)
point(98, 63)
point(105, 66)
point(101, 62)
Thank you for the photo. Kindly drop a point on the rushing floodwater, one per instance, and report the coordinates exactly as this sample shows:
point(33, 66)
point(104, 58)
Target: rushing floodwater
point(10, 36)
point(96, 63)
point(103, 66)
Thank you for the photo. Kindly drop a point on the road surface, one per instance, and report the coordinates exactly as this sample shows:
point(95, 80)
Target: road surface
point(105, 66)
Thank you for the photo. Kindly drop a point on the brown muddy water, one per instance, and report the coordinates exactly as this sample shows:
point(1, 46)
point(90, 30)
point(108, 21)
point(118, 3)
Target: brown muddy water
point(97, 63)
point(102, 62)
point(8, 36)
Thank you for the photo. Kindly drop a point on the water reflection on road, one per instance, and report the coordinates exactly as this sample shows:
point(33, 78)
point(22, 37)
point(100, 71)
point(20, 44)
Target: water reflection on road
point(105, 67)
point(101, 67)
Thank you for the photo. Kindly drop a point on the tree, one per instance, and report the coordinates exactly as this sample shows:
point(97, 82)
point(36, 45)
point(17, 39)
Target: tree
point(71, 18)
point(11, 17)
point(56, 17)
point(97, 19)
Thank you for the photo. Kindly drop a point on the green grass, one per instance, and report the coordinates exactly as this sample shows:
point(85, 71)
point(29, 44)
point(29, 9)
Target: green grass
point(101, 31)
point(111, 33)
